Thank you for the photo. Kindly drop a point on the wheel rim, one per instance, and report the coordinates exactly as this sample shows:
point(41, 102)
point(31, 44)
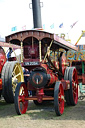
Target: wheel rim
point(61, 99)
point(23, 104)
point(17, 76)
point(75, 86)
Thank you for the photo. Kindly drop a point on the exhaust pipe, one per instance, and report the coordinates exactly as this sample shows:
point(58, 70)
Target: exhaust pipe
point(36, 14)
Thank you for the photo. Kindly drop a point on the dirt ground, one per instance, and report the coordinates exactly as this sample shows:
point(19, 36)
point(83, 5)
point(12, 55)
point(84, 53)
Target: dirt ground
point(42, 116)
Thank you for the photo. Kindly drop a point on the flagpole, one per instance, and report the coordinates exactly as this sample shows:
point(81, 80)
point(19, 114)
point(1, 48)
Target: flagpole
point(71, 28)
point(68, 32)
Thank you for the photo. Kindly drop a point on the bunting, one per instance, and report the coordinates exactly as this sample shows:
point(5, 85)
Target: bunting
point(61, 25)
point(73, 24)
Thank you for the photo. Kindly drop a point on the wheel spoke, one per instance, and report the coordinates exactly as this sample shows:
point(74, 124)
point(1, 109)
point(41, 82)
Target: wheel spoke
point(14, 87)
point(15, 67)
point(19, 74)
point(74, 92)
point(20, 98)
point(13, 73)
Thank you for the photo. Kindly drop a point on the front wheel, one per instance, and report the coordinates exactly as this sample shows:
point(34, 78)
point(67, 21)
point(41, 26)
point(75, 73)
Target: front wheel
point(59, 98)
point(21, 103)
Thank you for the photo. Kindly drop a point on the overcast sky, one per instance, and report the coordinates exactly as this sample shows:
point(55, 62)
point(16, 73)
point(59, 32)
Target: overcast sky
point(17, 13)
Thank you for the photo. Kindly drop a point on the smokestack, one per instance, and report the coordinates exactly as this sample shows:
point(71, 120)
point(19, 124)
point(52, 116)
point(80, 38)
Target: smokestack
point(36, 13)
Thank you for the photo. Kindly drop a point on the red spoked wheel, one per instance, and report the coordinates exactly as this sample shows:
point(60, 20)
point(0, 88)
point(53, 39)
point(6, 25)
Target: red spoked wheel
point(20, 94)
point(59, 98)
point(73, 91)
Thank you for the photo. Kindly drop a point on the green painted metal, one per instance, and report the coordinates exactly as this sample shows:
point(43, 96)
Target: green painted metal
point(82, 67)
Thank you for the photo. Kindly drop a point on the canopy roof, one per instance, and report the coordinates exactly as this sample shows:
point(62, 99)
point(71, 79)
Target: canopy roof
point(39, 35)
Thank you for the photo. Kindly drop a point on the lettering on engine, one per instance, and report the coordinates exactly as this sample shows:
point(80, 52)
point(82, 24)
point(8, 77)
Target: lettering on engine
point(31, 63)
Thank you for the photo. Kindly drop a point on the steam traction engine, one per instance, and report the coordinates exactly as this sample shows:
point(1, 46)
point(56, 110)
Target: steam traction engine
point(50, 78)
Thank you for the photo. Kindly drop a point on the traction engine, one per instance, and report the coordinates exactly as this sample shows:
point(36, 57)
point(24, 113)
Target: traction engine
point(47, 74)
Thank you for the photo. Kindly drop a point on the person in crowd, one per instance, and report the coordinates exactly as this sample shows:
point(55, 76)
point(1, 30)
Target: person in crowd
point(26, 78)
point(9, 53)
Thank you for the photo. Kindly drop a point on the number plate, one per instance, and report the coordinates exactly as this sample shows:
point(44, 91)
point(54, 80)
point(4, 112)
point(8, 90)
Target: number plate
point(31, 63)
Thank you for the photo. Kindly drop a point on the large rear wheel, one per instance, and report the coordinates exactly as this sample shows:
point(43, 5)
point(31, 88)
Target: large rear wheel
point(20, 94)
point(4, 75)
point(11, 75)
point(59, 98)
point(73, 91)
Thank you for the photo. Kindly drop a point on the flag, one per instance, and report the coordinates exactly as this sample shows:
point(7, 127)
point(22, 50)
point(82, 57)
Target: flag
point(14, 28)
point(52, 26)
point(73, 24)
point(61, 25)
point(24, 27)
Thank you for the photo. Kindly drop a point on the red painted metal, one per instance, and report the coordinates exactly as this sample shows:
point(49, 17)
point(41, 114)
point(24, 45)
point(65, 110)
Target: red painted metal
point(23, 104)
point(75, 86)
point(40, 94)
point(30, 52)
point(5, 44)
point(53, 77)
point(65, 43)
point(61, 99)
point(43, 98)
point(2, 58)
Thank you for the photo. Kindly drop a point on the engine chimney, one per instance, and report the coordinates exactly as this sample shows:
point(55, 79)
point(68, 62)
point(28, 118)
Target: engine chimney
point(36, 13)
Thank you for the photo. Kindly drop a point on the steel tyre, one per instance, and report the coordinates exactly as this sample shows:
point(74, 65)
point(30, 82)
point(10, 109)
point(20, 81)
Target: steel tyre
point(4, 76)
point(66, 92)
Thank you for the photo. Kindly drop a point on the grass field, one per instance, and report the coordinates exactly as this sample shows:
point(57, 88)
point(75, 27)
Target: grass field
point(42, 116)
